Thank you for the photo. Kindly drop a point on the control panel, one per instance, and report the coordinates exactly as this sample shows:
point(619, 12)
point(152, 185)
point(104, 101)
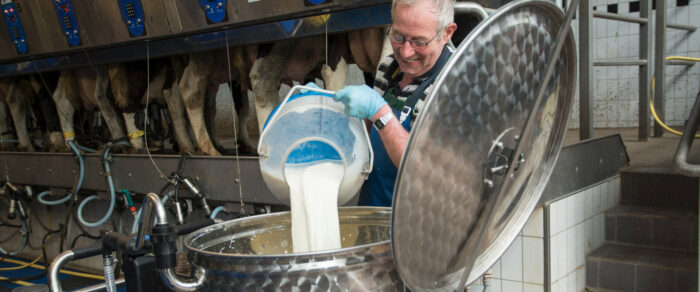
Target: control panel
point(14, 25)
point(214, 9)
point(67, 21)
point(132, 15)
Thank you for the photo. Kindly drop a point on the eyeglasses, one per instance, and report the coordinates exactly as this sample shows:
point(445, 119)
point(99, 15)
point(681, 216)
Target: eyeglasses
point(398, 39)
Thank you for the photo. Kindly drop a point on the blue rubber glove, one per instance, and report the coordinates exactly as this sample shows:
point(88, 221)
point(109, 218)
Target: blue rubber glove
point(310, 84)
point(360, 101)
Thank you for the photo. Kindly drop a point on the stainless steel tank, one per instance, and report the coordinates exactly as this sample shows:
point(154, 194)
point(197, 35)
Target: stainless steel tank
point(255, 253)
point(476, 163)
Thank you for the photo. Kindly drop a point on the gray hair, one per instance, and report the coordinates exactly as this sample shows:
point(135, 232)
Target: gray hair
point(444, 9)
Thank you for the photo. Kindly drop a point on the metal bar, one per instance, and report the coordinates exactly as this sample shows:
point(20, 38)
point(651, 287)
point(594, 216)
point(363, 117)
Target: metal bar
point(547, 246)
point(681, 156)
point(690, 28)
point(585, 70)
point(644, 70)
point(659, 58)
point(101, 286)
point(679, 63)
point(631, 62)
point(613, 16)
point(215, 176)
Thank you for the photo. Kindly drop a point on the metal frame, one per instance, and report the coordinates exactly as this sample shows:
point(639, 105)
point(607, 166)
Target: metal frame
point(644, 62)
point(217, 177)
point(340, 21)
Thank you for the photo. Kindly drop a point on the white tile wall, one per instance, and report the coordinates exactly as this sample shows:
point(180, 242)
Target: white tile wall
point(616, 88)
point(576, 228)
point(581, 233)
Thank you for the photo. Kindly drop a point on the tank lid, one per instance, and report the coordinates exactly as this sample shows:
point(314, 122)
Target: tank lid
point(482, 149)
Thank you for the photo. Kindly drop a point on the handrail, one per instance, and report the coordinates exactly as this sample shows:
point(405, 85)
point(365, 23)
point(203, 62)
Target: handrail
point(681, 158)
point(614, 16)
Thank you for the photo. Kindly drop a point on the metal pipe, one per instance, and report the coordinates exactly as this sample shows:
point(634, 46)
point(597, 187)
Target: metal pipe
point(170, 279)
point(146, 211)
point(681, 157)
point(689, 28)
point(679, 63)
point(471, 8)
point(55, 267)
point(585, 94)
point(659, 59)
point(629, 62)
point(101, 286)
point(613, 16)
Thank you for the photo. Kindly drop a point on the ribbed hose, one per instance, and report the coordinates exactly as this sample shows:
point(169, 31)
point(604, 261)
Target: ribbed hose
point(112, 195)
point(78, 185)
point(110, 286)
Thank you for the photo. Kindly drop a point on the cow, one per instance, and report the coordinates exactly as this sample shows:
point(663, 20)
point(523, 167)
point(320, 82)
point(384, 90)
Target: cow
point(85, 88)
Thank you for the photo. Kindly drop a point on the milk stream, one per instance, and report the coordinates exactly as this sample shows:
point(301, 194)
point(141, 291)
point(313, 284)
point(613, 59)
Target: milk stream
point(313, 192)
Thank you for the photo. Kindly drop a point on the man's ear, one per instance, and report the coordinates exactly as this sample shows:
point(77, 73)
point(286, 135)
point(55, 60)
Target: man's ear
point(449, 31)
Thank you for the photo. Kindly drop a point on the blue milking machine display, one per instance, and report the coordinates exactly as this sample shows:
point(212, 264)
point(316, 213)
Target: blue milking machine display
point(316, 2)
point(14, 26)
point(214, 9)
point(67, 21)
point(132, 15)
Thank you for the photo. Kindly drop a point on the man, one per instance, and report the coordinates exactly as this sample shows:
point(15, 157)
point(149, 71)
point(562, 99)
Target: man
point(420, 39)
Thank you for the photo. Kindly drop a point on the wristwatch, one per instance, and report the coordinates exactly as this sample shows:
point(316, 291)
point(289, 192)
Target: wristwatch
point(381, 122)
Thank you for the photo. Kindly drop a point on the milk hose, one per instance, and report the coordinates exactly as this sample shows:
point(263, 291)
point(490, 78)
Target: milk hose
point(112, 195)
point(651, 98)
point(25, 237)
point(216, 211)
point(78, 184)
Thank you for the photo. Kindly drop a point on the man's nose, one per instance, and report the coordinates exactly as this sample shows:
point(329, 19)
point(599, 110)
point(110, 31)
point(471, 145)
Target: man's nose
point(407, 50)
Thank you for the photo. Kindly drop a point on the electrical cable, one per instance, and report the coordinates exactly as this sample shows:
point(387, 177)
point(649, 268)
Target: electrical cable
point(651, 98)
point(66, 272)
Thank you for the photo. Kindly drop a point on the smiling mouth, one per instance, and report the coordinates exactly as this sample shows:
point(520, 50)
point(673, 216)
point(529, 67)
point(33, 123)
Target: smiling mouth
point(410, 60)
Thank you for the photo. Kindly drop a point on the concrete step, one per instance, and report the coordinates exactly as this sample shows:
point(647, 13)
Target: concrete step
point(660, 187)
point(654, 227)
point(634, 269)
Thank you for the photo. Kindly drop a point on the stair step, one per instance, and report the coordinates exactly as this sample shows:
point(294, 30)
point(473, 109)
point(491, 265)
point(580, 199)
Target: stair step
point(658, 187)
point(654, 227)
point(636, 269)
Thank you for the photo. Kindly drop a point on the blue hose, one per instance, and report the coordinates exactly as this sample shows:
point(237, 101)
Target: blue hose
point(78, 185)
point(25, 239)
point(216, 211)
point(112, 195)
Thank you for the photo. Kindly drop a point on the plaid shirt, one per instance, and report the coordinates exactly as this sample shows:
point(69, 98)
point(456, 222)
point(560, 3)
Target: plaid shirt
point(387, 79)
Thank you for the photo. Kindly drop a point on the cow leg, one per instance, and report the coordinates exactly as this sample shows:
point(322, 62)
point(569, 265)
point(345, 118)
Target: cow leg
point(65, 109)
point(335, 79)
point(193, 85)
point(247, 123)
point(177, 114)
point(17, 98)
point(109, 114)
point(265, 78)
point(210, 115)
point(6, 133)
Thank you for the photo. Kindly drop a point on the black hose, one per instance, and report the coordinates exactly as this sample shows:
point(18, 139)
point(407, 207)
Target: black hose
point(43, 253)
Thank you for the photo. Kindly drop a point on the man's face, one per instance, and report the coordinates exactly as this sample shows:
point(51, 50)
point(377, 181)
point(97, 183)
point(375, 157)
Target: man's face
point(418, 22)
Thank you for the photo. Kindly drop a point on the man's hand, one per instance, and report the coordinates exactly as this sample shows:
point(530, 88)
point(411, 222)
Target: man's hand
point(360, 101)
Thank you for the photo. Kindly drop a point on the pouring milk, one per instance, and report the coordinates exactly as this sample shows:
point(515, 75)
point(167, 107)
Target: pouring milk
point(313, 192)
